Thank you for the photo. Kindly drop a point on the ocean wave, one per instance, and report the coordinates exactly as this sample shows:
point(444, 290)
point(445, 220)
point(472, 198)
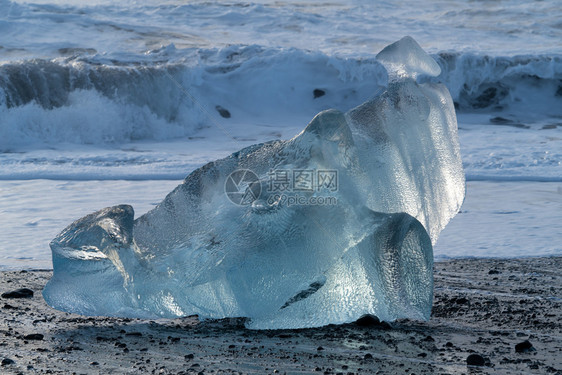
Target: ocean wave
point(93, 100)
point(172, 93)
point(517, 84)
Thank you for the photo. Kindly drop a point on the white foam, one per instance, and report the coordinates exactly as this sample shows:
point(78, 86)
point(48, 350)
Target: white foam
point(86, 118)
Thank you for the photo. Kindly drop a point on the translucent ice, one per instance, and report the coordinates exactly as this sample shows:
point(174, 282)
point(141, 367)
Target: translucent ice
point(333, 224)
point(406, 58)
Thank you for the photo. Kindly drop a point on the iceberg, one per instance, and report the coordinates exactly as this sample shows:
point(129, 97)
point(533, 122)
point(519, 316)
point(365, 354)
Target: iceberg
point(324, 228)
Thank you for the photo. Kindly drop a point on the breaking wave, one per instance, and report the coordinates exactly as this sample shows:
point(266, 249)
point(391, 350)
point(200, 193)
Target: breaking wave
point(88, 99)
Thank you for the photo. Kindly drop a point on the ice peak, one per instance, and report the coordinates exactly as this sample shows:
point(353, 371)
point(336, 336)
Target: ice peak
point(406, 59)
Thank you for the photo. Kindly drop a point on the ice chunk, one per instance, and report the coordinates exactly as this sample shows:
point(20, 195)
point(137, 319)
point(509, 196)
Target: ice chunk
point(333, 224)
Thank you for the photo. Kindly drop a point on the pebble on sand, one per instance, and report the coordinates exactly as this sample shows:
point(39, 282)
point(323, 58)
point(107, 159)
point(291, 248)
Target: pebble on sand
point(524, 347)
point(18, 293)
point(475, 360)
point(7, 362)
point(33, 336)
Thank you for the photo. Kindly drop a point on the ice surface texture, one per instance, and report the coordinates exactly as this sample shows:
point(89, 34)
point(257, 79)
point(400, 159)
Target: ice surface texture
point(360, 246)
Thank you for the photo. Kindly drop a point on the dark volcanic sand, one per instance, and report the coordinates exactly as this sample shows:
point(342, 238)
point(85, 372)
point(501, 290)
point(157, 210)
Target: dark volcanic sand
point(482, 307)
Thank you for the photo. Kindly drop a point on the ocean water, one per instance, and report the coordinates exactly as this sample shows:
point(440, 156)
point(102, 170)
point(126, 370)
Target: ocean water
point(107, 102)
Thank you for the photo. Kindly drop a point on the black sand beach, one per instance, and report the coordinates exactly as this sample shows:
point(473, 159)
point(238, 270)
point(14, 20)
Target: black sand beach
point(503, 316)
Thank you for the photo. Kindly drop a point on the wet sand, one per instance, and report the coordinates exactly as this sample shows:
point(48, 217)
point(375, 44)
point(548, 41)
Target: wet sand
point(503, 314)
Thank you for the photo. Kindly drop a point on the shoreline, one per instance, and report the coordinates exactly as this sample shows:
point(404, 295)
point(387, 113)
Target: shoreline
point(483, 308)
